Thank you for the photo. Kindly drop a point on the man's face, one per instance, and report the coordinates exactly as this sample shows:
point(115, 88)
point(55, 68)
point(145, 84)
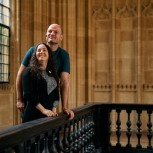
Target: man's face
point(54, 34)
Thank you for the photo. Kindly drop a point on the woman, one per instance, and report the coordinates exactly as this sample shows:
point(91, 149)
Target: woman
point(40, 85)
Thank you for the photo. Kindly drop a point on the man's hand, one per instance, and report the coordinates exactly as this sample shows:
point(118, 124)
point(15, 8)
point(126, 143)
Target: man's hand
point(20, 105)
point(69, 112)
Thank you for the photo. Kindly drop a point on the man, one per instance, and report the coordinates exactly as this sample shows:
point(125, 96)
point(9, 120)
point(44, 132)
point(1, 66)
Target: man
point(53, 38)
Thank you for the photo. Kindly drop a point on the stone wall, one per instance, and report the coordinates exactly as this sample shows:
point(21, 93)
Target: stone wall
point(110, 46)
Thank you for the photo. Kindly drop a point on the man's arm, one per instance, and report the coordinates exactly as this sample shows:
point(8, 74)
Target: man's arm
point(20, 103)
point(64, 90)
point(25, 63)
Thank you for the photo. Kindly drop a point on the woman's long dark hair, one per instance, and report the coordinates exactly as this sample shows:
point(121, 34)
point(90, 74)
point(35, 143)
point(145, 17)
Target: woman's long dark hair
point(51, 67)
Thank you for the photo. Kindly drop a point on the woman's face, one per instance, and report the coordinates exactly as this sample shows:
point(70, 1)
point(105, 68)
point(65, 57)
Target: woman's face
point(42, 53)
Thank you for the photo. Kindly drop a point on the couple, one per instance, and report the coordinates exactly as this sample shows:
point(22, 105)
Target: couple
point(42, 80)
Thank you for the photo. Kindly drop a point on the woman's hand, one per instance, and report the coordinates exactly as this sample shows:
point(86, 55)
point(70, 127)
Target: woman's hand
point(55, 111)
point(45, 111)
point(48, 112)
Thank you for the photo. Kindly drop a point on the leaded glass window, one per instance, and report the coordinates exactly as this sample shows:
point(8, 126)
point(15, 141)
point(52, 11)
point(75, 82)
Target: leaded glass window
point(4, 40)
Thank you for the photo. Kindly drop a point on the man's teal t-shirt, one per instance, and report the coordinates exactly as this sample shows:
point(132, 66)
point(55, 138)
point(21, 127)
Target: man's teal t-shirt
point(62, 59)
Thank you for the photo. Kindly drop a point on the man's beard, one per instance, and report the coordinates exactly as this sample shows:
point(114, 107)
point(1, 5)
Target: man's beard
point(52, 43)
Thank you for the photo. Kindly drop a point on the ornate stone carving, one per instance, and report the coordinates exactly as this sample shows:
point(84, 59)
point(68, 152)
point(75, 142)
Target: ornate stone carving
point(126, 87)
point(147, 87)
point(147, 8)
point(102, 87)
point(126, 9)
point(5, 87)
point(102, 12)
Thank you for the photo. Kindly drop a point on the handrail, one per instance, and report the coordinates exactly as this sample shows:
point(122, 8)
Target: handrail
point(23, 132)
point(89, 130)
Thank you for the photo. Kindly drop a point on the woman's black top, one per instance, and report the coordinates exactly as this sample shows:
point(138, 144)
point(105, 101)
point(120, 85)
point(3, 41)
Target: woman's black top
point(43, 90)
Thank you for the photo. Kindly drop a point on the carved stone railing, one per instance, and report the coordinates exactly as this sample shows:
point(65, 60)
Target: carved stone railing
point(89, 132)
